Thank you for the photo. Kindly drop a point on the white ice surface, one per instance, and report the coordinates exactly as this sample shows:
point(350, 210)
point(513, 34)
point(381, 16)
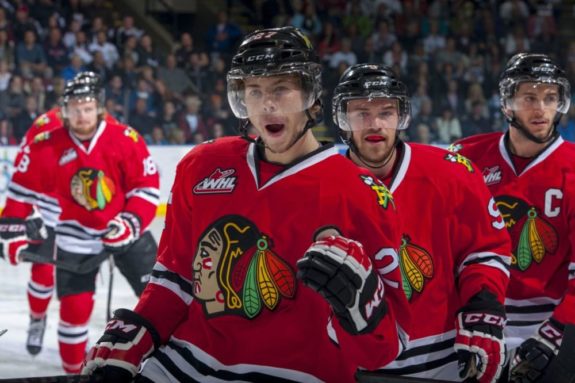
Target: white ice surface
point(14, 359)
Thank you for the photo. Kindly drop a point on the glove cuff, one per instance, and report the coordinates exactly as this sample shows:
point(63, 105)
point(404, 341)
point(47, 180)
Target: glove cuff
point(133, 317)
point(134, 221)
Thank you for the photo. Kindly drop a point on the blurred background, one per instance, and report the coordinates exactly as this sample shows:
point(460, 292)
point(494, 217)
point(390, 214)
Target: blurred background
point(164, 61)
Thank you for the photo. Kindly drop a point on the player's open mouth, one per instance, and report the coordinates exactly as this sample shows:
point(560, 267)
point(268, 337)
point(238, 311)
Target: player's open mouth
point(274, 128)
point(375, 138)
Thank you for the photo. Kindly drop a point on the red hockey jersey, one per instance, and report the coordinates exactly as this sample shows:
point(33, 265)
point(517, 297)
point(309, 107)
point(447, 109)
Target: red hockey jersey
point(47, 206)
point(454, 244)
point(87, 185)
point(539, 210)
point(224, 291)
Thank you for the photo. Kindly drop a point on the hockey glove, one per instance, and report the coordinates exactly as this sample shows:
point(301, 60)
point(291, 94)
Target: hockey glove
point(479, 339)
point(123, 231)
point(127, 341)
point(339, 270)
point(534, 354)
point(13, 238)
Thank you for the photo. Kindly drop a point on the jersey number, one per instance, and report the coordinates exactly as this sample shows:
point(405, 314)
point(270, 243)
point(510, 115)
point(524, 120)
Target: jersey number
point(498, 221)
point(150, 167)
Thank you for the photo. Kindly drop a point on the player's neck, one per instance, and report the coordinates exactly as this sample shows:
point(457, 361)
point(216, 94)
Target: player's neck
point(300, 148)
point(522, 146)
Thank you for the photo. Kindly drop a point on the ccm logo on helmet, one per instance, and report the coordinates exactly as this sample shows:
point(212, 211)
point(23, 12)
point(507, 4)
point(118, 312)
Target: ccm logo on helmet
point(260, 57)
point(368, 84)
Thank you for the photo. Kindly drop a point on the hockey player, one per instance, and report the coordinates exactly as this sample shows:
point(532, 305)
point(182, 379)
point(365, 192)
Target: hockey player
point(224, 301)
point(454, 255)
point(529, 172)
point(41, 284)
point(101, 179)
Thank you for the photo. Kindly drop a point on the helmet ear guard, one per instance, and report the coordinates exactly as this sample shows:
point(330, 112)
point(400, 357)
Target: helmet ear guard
point(369, 81)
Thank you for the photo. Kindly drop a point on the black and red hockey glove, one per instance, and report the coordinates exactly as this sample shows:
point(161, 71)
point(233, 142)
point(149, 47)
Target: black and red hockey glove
point(123, 231)
point(534, 355)
point(339, 270)
point(16, 234)
point(479, 340)
point(127, 341)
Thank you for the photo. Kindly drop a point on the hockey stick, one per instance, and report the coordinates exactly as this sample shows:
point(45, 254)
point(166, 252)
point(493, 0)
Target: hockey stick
point(110, 284)
point(379, 377)
point(2, 332)
point(55, 379)
point(85, 267)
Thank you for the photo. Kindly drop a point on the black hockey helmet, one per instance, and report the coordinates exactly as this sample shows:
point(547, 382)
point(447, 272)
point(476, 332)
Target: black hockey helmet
point(273, 52)
point(91, 77)
point(533, 67)
point(83, 89)
point(369, 81)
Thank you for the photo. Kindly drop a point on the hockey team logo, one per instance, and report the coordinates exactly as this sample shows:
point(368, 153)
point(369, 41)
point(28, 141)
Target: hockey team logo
point(415, 265)
point(235, 270)
point(68, 156)
point(384, 196)
point(92, 189)
point(492, 175)
point(41, 121)
point(220, 181)
point(532, 236)
point(457, 158)
point(129, 132)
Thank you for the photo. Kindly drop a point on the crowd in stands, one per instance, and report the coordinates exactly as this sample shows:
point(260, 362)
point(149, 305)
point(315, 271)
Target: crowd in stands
point(450, 54)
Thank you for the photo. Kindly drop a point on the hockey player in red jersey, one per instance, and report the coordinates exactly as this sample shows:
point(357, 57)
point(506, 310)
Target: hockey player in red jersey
point(454, 255)
point(529, 170)
point(100, 181)
point(41, 284)
point(231, 297)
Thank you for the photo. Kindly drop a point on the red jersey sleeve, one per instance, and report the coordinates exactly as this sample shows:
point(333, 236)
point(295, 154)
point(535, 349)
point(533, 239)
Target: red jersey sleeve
point(142, 180)
point(483, 240)
point(565, 311)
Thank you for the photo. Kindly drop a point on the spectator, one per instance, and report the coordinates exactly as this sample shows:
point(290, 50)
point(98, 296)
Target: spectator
point(383, 38)
point(329, 41)
point(475, 122)
point(147, 54)
point(56, 51)
point(76, 66)
point(54, 92)
point(448, 127)
point(16, 99)
point(185, 49)
point(69, 39)
point(174, 77)
point(157, 137)
point(30, 56)
point(192, 122)
point(434, 41)
point(127, 29)
point(131, 48)
point(81, 48)
point(38, 92)
point(423, 134)
point(5, 76)
point(24, 119)
point(99, 66)
point(141, 120)
point(24, 23)
point(6, 49)
point(169, 121)
point(6, 135)
point(396, 56)
point(345, 55)
point(475, 94)
point(306, 19)
point(116, 91)
point(109, 50)
point(5, 24)
point(223, 36)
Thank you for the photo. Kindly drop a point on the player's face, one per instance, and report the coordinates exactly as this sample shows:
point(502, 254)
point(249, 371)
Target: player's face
point(82, 117)
point(535, 106)
point(275, 107)
point(205, 266)
point(374, 124)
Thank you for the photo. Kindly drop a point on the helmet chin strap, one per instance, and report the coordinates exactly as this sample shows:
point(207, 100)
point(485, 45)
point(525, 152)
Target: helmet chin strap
point(310, 123)
point(514, 122)
point(369, 164)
